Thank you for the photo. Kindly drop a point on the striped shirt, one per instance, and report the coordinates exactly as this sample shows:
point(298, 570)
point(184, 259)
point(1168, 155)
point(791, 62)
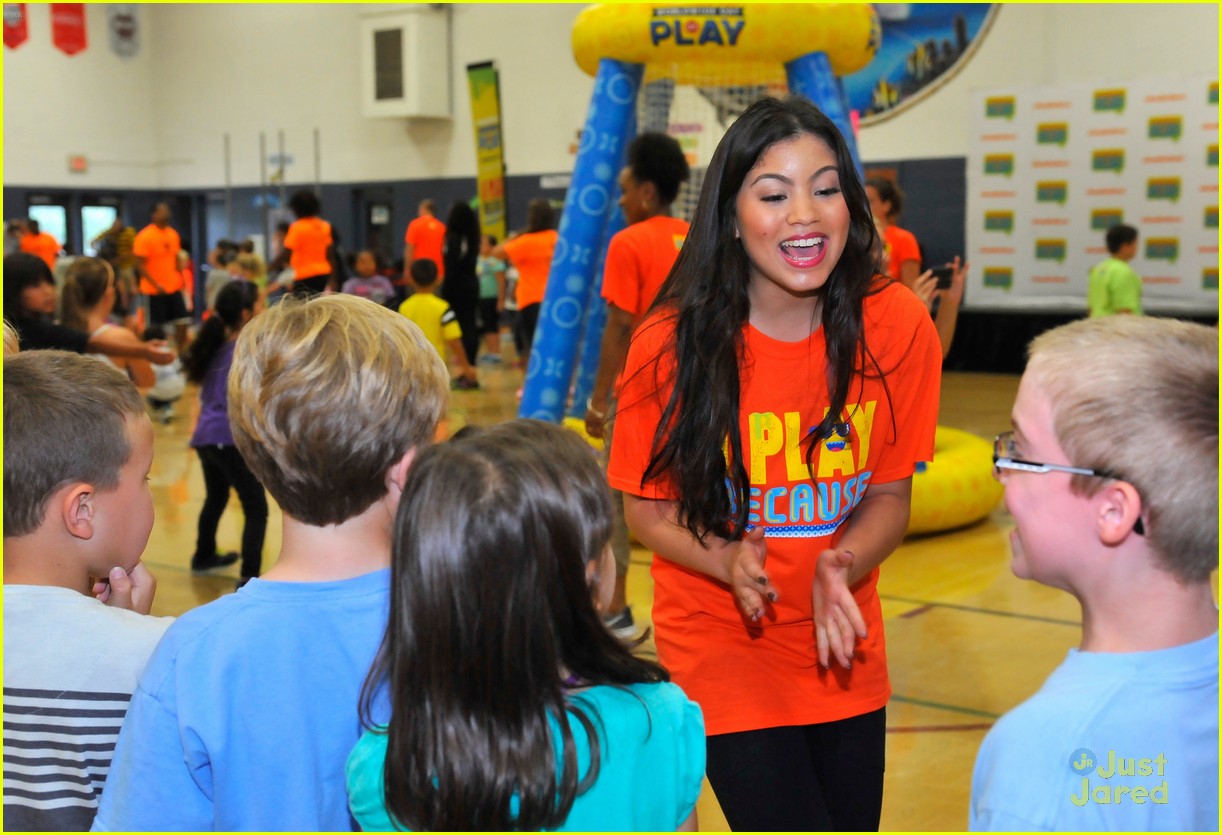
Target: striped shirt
point(70, 667)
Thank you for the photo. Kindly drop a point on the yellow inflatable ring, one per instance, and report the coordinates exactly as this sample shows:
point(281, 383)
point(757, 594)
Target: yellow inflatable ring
point(579, 426)
point(709, 44)
point(957, 487)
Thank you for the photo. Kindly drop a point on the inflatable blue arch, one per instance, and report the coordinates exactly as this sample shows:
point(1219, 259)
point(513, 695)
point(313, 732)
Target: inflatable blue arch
point(810, 46)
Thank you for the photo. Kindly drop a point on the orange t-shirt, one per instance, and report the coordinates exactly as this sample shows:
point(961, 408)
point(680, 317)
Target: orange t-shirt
point(159, 249)
point(638, 260)
point(308, 239)
point(43, 245)
point(901, 247)
point(427, 235)
point(531, 254)
point(769, 676)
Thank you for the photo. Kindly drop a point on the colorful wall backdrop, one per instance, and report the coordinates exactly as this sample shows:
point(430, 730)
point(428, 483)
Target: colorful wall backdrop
point(1051, 168)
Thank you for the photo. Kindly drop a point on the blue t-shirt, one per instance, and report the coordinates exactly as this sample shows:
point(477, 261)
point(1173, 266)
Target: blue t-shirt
point(1112, 741)
point(247, 711)
point(651, 740)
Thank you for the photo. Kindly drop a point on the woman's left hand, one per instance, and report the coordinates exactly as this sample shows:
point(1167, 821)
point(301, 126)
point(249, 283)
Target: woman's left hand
point(925, 286)
point(838, 620)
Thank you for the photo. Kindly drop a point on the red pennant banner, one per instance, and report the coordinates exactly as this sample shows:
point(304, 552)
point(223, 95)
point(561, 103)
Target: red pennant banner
point(68, 27)
point(15, 29)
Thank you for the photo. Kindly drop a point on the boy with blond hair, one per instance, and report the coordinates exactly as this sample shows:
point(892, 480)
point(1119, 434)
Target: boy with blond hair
point(1111, 474)
point(77, 517)
point(248, 708)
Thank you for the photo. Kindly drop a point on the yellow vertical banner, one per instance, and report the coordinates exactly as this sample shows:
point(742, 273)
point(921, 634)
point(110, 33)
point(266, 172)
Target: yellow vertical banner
point(484, 82)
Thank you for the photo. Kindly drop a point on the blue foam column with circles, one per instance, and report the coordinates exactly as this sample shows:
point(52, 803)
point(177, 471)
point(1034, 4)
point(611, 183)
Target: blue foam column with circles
point(596, 323)
point(811, 76)
point(583, 225)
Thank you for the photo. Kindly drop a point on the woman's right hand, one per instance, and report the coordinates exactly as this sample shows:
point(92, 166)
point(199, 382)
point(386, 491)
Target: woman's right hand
point(745, 570)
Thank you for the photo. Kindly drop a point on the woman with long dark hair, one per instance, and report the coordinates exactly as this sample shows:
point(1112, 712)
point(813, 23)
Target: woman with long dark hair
point(774, 405)
point(511, 706)
point(460, 252)
point(207, 362)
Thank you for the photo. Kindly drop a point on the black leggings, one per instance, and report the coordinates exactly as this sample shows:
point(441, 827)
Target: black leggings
point(524, 333)
point(466, 316)
point(825, 777)
point(311, 286)
point(224, 468)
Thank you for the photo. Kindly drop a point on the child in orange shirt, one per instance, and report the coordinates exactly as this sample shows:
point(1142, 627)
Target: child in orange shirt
point(772, 410)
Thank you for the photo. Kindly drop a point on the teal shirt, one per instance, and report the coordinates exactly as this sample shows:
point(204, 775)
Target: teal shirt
point(651, 742)
point(487, 269)
point(1114, 285)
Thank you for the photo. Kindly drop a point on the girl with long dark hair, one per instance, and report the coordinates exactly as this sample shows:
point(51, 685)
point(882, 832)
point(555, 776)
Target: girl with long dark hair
point(460, 252)
point(773, 407)
point(207, 362)
point(511, 706)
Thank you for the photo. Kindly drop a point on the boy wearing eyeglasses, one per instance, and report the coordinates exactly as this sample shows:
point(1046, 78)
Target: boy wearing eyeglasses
point(1111, 474)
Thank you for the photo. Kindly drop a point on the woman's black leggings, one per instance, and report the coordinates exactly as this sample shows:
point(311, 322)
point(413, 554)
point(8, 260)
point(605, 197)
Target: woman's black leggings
point(806, 778)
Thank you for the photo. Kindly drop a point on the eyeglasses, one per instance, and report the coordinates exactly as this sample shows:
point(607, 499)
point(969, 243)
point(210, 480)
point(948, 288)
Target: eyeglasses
point(1005, 458)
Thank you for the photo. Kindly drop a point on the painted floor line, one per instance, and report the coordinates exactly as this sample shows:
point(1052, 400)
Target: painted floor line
point(922, 729)
point(980, 611)
point(967, 711)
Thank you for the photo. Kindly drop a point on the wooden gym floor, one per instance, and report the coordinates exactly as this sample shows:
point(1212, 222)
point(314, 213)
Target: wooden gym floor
point(966, 640)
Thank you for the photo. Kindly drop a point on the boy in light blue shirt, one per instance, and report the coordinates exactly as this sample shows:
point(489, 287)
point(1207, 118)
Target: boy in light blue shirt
point(249, 706)
point(1111, 474)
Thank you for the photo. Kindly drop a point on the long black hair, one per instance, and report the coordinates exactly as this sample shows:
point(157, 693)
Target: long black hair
point(461, 247)
point(490, 608)
point(232, 301)
point(706, 297)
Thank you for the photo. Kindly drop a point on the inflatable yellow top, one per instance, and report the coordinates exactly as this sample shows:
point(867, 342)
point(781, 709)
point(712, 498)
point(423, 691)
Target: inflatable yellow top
point(745, 44)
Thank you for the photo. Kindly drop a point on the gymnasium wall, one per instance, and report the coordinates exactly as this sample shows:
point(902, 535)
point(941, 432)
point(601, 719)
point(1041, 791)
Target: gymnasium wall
point(158, 120)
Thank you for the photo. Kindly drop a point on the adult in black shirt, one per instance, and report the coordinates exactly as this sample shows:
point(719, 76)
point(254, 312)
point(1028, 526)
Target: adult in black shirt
point(29, 305)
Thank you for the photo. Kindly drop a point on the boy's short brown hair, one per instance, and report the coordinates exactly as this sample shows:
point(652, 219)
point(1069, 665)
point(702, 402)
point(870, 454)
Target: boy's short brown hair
point(64, 421)
point(1138, 396)
point(325, 395)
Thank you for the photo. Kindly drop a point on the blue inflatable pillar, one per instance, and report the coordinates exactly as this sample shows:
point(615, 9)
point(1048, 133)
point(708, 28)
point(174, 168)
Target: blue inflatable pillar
point(583, 224)
point(596, 323)
point(811, 76)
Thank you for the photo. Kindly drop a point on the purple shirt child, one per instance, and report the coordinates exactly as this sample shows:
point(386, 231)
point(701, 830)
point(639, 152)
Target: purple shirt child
point(376, 288)
point(212, 429)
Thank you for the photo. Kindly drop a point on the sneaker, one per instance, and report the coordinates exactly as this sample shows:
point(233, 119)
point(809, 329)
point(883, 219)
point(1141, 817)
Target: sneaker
point(464, 384)
point(214, 562)
point(621, 623)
